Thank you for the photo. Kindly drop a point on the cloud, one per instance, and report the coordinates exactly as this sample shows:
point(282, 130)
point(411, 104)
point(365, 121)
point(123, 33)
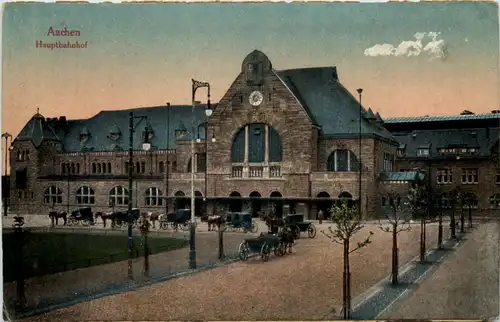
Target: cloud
point(425, 42)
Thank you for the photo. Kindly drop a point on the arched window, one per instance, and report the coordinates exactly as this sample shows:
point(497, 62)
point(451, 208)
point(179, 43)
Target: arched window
point(495, 201)
point(254, 138)
point(109, 167)
point(137, 167)
point(143, 167)
point(161, 167)
point(78, 168)
point(174, 166)
point(118, 196)
point(52, 195)
point(63, 168)
point(343, 161)
point(99, 168)
point(93, 168)
point(103, 167)
point(154, 197)
point(85, 196)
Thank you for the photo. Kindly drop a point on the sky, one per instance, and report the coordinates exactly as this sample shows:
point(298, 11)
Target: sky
point(426, 58)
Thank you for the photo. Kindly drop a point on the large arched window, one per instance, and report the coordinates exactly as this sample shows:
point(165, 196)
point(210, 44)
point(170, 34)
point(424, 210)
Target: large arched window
point(256, 143)
point(495, 201)
point(118, 196)
point(52, 195)
point(154, 197)
point(85, 196)
point(343, 161)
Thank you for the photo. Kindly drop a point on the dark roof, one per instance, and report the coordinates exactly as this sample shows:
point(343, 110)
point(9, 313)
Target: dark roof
point(102, 125)
point(402, 176)
point(482, 138)
point(441, 118)
point(37, 130)
point(329, 103)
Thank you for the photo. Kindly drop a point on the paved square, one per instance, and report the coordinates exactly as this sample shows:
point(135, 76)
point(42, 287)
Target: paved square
point(303, 285)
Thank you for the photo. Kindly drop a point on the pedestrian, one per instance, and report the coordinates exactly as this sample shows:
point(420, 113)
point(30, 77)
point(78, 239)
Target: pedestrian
point(321, 216)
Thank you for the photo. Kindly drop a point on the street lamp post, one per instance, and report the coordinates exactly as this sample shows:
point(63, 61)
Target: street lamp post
point(6, 136)
point(360, 91)
point(131, 129)
point(192, 228)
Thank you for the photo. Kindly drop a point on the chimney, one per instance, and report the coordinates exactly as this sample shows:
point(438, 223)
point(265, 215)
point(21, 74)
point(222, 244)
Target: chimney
point(168, 104)
point(495, 112)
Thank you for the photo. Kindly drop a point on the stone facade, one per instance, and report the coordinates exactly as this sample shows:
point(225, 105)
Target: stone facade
point(55, 176)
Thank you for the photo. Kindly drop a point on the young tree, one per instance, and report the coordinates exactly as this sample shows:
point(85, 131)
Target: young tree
point(347, 224)
point(398, 221)
point(455, 196)
point(418, 205)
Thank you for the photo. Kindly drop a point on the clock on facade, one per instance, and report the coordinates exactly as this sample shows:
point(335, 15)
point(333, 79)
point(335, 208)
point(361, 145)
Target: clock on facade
point(256, 98)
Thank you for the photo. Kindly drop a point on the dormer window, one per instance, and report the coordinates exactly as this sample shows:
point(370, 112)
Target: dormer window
point(401, 150)
point(115, 133)
point(423, 152)
point(84, 135)
point(148, 134)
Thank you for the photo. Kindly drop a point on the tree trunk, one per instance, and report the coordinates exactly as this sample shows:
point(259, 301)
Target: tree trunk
point(146, 255)
point(422, 239)
point(453, 224)
point(395, 265)
point(470, 216)
point(346, 283)
point(462, 220)
point(221, 243)
point(440, 231)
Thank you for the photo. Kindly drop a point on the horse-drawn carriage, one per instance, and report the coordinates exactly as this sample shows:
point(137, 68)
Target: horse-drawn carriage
point(240, 220)
point(179, 218)
point(264, 245)
point(297, 224)
point(121, 218)
point(82, 216)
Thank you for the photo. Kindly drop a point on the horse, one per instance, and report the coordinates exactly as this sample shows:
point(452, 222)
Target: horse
point(287, 238)
point(153, 217)
point(57, 215)
point(104, 216)
point(216, 221)
point(273, 222)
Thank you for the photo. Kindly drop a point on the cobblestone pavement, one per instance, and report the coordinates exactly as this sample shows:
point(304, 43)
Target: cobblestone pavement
point(464, 286)
point(302, 285)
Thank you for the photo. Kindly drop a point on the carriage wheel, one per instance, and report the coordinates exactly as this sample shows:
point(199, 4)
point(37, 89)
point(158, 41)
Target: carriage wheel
point(85, 222)
point(164, 225)
point(311, 231)
point(243, 251)
point(185, 226)
point(72, 221)
point(233, 229)
point(254, 228)
point(118, 224)
point(265, 252)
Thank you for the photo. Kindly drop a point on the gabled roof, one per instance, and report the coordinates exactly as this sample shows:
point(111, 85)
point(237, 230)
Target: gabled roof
point(162, 119)
point(402, 176)
point(328, 102)
point(37, 130)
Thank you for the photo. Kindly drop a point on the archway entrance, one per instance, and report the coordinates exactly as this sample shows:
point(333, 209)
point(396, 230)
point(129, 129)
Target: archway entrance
point(277, 204)
point(324, 205)
point(346, 196)
point(198, 203)
point(235, 202)
point(180, 200)
point(256, 203)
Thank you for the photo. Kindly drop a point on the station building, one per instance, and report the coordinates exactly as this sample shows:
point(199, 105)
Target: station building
point(296, 138)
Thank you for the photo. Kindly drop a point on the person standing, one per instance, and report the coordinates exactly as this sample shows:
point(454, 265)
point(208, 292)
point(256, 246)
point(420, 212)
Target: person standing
point(321, 216)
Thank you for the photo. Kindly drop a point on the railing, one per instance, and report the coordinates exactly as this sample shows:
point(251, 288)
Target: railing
point(274, 171)
point(255, 171)
point(237, 171)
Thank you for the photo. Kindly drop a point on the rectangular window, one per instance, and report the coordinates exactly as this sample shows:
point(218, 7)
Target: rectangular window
point(201, 164)
point(444, 176)
point(388, 162)
point(470, 176)
point(497, 177)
